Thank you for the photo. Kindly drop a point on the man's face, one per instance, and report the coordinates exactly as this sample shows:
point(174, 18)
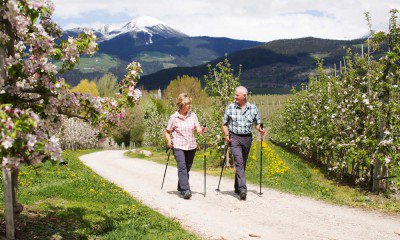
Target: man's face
point(240, 98)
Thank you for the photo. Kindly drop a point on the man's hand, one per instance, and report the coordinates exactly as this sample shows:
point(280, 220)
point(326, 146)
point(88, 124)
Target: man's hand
point(227, 139)
point(261, 129)
point(226, 133)
point(262, 132)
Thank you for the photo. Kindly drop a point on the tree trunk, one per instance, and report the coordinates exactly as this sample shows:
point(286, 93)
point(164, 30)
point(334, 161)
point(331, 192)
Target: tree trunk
point(377, 174)
point(14, 178)
point(8, 202)
point(2, 70)
point(384, 184)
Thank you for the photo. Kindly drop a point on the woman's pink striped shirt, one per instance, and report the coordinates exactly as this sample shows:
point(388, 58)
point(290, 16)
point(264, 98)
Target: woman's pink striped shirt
point(182, 129)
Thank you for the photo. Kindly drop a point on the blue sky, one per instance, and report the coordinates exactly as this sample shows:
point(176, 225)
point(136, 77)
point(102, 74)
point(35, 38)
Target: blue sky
point(261, 20)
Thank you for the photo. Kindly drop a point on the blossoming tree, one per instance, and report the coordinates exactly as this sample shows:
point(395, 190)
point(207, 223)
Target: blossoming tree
point(78, 134)
point(32, 96)
point(350, 123)
point(221, 83)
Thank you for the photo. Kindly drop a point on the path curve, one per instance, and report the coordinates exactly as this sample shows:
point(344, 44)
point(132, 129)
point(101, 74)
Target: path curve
point(222, 215)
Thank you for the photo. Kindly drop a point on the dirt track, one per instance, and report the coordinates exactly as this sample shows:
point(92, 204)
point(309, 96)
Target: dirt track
point(274, 215)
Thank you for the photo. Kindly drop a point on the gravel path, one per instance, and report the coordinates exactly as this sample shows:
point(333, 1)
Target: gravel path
point(274, 215)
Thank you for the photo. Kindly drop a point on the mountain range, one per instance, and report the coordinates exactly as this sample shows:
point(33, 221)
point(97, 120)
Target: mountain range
point(166, 53)
point(274, 67)
point(152, 43)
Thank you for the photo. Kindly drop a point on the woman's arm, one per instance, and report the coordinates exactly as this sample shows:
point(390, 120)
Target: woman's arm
point(168, 137)
point(201, 130)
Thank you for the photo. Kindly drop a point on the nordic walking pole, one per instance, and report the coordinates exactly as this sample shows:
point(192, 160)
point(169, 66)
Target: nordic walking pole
point(222, 169)
point(205, 164)
point(261, 127)
point(166, 166)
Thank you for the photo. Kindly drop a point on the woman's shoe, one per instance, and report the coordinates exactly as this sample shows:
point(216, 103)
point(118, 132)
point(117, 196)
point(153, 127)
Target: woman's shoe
point(187, 194)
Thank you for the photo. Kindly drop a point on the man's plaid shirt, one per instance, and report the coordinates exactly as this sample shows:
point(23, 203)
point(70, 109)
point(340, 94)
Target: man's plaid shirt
point(240, 121)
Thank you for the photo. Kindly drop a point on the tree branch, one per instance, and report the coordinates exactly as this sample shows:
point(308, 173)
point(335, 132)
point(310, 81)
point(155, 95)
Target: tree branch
point(37, 99)
point(31, 90)
point(9, 49)
point(60, 111)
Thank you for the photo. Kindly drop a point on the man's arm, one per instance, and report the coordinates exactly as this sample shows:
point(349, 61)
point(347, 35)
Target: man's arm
point(226, 133)
point(225, 121)
point(258, 121)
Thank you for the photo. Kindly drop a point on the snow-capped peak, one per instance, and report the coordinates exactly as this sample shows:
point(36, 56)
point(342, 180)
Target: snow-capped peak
point(142, 23)
point(105, 29)
point(144, 27)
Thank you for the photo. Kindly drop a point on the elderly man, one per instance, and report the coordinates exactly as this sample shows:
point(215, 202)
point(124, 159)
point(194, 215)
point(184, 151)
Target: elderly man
point(237, 126)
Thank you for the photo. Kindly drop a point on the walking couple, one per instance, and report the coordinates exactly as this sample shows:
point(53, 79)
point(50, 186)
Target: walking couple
point(237, 124)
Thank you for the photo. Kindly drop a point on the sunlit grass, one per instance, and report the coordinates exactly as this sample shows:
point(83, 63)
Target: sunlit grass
point(73, 202)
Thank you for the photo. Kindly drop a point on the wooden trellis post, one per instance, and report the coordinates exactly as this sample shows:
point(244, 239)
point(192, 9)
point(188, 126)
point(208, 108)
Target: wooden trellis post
point(362, 50)
point(369, 59)
point(344, 63)
point(335, 69)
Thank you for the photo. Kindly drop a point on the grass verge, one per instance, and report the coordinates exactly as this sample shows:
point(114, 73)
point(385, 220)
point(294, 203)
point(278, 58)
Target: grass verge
point(72, 202)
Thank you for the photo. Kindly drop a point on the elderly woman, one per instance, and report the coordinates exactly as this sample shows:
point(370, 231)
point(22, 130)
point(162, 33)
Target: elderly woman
point(182, 125)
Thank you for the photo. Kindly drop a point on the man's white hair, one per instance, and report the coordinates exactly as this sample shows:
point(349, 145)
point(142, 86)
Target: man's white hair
point(242, 90)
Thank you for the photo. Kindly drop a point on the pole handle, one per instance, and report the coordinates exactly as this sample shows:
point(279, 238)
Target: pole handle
point(168, 148)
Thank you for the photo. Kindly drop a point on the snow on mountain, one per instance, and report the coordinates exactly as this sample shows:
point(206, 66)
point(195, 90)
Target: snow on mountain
point(142, 23)
point(104, 30)
point(381, 27)
point(144, 26)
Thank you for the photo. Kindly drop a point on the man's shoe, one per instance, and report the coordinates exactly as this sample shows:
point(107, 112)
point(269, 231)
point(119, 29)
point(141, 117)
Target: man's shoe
point(187, 194)
point(242, 194)
point(236, 191)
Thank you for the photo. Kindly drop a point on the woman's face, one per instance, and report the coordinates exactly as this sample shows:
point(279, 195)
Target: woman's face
point(186, 107)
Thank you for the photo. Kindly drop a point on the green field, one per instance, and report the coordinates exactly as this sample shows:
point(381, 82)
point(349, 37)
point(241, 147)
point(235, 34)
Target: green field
point(169, 65)
point(97, 63)
point(320, 55)
point(72, 202)
point(154, 56)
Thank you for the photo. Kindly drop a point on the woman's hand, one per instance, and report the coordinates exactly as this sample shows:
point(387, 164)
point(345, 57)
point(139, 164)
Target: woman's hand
point(201, 130)
point(169, 141)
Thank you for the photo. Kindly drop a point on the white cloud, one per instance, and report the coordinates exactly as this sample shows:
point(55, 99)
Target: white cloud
point(94, 25)
point(262, 20)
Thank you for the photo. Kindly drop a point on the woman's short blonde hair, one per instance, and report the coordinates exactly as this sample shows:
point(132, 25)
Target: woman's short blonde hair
point(183, 99)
